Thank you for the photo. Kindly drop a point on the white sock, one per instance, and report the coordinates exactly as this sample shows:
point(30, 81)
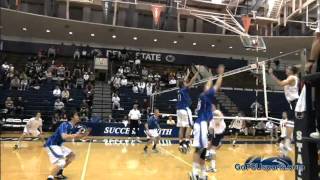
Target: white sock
point(203, 172)
point(213, 163)
point(195, 168)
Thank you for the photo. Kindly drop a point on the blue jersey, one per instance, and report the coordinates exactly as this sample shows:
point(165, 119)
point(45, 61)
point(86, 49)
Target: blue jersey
point(205, 106)
point(184, 99)
point(56, 138)
point(153, 122)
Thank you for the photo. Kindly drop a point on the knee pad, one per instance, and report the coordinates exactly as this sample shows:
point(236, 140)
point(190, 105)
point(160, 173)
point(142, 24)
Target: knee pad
point(61, 163)
point(203, 152)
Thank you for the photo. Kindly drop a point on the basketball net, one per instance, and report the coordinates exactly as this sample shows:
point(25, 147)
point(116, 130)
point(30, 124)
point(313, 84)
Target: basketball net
point(246, 21)
point(156, 11)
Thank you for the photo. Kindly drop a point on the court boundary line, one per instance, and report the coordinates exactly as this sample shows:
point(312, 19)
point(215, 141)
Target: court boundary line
point(176, 157)
point(85, 165)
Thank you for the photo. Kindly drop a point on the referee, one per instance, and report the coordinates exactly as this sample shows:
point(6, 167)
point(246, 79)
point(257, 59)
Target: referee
point(134, 120)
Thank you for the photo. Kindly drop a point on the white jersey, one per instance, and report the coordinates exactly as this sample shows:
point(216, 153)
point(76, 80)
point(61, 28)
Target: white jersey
point(292, 92)
point(217, 124)
point(34, 124)
point(237, 123)
point(283, 128)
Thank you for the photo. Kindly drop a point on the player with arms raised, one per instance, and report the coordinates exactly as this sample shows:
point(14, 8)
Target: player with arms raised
point(200, 128)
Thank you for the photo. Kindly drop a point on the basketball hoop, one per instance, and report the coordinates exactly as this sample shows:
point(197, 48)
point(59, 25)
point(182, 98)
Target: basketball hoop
point(246, 21)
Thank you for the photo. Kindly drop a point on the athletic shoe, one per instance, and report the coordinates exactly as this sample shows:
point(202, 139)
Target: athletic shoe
point(50, 178)
point(213, 170)
point(203, 178)
point(15, 147)
point(234, 143)
point(155, 150)
point(315, 135)
point(193, 176)
point(138, 141)
point(60, 176)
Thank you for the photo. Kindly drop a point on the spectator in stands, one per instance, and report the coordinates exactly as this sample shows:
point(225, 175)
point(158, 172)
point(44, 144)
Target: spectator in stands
point(64, 118)
point(126, 70)
point(9, 105)
point(48, 74)
point(259, 107)
point(125, 121)
point(135, 88)
point(145, 107)
point(86, 77)
point(19, 104)
point(92, 77)
point(120, 71)
point(157, 86)
point(61, 72)
point(144, 72)
point(52, 52)
point(59, 106)
point(149, 89)
point(5, 67)
point(157, 77)
point(65, 95)
point(150, 77)
point(67, 74)
point(76, 54)
point(84, 108)
point(141, 86)
point(23, 81)
point(260, 127)
point(170, 121)
point(115, 101)
point(55, 121)
point(137, 64)
point(124, 81)
point(117, 82)
point(110, 119)
point(15, 83)
point(172, 81)
point(57, 92)
point(134, 117)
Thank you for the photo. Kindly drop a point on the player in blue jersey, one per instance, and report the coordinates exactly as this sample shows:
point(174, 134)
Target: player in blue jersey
point(184, 114)
point(59, 155)
point(200, 128)
point(151, 129)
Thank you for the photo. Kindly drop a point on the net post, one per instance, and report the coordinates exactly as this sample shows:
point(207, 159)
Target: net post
point(264, 82)
point(152, 102)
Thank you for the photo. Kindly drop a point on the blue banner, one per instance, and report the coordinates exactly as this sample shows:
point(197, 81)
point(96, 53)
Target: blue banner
point(119, 129)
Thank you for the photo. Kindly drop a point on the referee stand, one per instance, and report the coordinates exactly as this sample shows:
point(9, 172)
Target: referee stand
point(306, 148)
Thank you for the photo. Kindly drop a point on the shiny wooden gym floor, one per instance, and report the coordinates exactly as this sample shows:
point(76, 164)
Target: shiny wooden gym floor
point(105, 161)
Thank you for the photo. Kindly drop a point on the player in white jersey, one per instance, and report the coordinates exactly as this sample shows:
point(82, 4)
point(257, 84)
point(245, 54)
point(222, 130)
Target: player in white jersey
point(217, 126)
point(291, 92)
point(33, 128)
point(236, 126)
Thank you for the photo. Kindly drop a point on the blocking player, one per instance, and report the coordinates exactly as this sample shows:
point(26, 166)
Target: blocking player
point(217, 127)
point(184, 114)
point(151, 129)
point(33, 128)
point(59, 155)
point(200, 128)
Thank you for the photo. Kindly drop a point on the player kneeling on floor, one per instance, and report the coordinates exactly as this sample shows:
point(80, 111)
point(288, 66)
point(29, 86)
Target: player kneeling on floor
point(59, 155)
point(151, 129)
point(33, 128)
point(217, 127)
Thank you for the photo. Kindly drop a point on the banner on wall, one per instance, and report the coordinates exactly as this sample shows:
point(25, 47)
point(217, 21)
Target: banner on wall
point(156, 12)
point(101, 63)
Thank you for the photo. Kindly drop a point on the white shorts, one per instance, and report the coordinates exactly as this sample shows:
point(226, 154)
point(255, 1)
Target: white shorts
point(32, 132)
point(57, 153)
point(200, 134)
point(184, 118)
point(152, 133)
